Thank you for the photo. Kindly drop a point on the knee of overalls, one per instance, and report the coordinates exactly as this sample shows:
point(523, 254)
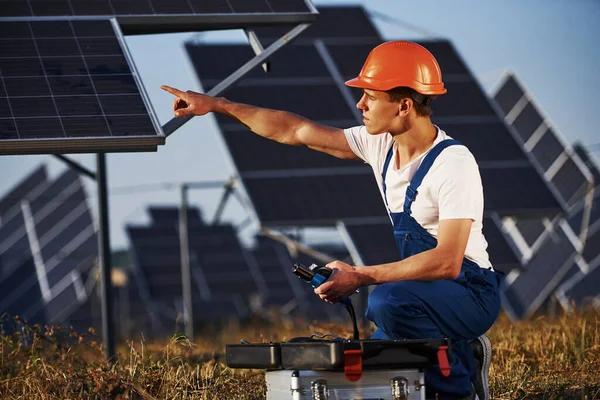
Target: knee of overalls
point(395, 309)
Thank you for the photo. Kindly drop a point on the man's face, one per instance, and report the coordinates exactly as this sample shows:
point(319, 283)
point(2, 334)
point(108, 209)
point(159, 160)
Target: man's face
point(380, 114)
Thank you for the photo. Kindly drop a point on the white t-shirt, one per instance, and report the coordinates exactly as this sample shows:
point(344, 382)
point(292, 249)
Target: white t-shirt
point(451, 189)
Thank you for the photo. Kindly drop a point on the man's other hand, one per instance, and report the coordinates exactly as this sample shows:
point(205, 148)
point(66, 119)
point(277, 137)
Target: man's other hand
point(341, 284)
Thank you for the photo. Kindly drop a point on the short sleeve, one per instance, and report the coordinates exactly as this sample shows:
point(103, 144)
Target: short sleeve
point(460, 194)
point(367, 147)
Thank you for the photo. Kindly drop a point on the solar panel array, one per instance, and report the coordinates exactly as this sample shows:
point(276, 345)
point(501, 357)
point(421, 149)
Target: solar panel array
point(583, 287)
point(47, 243)
point(68, 86)
point(222, 282)
point(571, 175)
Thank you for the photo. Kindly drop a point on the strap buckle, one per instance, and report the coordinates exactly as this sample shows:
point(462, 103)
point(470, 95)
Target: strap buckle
point(353, 364)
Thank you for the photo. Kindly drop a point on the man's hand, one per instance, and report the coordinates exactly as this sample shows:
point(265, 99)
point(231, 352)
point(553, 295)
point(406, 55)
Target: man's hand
point(341, 284)
point(190, 103)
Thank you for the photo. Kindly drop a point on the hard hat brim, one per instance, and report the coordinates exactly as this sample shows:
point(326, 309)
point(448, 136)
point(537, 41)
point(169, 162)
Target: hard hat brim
point(369, 83)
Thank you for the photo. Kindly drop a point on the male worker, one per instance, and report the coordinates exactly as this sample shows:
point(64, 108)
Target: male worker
point(444, 284)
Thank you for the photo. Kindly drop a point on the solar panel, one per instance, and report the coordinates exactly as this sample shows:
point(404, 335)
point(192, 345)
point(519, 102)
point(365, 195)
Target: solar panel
point(531, 229)
point(10, 203)
point(275, 264)
point(502, 254)
point(509, 94)
point(374, 242)
point(356, 25)
point(18, 280)
point(564, 169)
point(570, 182)
point(315, 200)
point(542, 275)
point(585, 289)
point(47, 244)
point(528, 121)
point(585, 157)
point(548, 149)
point(162, 16)
point(220, 272)
point(68, 86)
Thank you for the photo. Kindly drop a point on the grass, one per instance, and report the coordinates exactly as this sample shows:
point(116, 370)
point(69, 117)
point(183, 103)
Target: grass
point(544, 358)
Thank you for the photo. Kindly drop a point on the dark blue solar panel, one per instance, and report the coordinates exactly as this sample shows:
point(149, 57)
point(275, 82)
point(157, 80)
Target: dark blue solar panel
point(585, 157)
point(547, 149)
point(570, 182)
point(509, 93)
point(41, 8)
point(517, 190)
point(356, 24)
point(374, 242)
point(290, 61)
point(531, 229)
point(592, 247)
point(216, 259)
point(342, 192)
point(502, 256)
point(50, 91)
point(285, 97)
point(64, 301)
point(170, 216)
point(12, 199)
point(542, 274)
point(254, 153)
point(586, 289)
point(528, 121)
point(487, 142)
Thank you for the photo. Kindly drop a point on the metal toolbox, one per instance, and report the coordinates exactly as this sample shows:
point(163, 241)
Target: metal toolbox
point(392, 384)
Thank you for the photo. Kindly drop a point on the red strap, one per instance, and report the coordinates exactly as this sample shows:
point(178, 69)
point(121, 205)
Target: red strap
point(442, 356)
point(353, 364)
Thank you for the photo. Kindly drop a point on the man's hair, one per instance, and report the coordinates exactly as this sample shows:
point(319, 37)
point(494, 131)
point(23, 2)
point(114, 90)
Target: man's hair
point(401, 92)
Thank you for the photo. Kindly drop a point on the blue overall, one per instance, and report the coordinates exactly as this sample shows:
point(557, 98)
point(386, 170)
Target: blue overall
point(460, 309)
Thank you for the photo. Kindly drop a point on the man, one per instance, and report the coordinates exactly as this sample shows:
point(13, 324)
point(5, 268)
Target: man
point(444, 284)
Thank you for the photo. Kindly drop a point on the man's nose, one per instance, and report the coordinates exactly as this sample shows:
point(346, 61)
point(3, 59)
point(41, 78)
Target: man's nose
point(361, 103)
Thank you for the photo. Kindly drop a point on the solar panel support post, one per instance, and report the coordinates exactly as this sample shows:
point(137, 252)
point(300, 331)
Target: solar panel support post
point(176, 123)
point(256, 46)
point(186, 276)
point(76, 166)
point(223, 202)
point(104, 256)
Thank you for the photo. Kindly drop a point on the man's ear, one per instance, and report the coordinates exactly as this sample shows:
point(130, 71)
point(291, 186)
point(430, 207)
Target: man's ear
point(405, 105)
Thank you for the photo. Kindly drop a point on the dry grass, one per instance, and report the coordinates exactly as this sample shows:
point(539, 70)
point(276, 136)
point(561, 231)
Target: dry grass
point(540, 359)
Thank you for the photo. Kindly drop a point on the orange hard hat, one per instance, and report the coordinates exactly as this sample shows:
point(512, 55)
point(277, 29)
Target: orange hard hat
point(400, 63)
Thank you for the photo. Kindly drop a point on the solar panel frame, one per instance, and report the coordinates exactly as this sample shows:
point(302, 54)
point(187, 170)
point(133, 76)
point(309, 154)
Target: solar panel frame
point(146, 17)
point(50, 131)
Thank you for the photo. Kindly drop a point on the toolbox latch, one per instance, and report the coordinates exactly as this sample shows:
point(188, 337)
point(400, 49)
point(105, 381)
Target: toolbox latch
point(442, 356)
point(353, 364)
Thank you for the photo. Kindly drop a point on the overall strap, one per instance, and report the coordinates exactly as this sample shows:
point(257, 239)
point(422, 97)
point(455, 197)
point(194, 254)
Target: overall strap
point(411, 191)
point(384, 172)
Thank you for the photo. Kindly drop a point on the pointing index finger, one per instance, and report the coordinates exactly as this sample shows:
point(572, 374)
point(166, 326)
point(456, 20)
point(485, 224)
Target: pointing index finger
point(173, 91)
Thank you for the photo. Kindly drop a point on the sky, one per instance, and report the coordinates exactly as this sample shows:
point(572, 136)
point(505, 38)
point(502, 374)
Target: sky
point(553, 46)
